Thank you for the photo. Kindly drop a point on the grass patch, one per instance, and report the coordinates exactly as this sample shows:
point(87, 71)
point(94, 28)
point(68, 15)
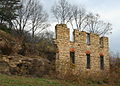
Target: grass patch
point(6, 80)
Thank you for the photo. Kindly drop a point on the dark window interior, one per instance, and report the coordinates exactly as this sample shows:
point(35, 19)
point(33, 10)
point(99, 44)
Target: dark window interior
point(88, 61)
point(72, 57)
point(101, 62)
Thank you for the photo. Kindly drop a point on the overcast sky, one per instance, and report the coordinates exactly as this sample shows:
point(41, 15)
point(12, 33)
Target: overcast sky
point(109, 10)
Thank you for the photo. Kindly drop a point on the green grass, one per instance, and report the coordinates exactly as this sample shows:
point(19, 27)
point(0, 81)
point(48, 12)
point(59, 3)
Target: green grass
point(6, 80)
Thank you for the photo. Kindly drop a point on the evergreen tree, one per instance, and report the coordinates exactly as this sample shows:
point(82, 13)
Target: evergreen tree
point(8, 10)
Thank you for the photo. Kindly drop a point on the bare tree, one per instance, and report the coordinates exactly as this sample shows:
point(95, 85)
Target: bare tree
point(97, 26)
point(89, 22)
point(62, 11)
point(38, 18)
point(79, 17)
point(22, 21)
point(31, 18)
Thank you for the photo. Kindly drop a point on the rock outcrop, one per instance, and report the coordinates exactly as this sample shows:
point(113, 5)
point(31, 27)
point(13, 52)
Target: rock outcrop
point(21, 65)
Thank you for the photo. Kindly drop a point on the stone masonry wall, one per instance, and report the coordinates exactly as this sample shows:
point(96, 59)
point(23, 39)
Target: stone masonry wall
point(81, 48)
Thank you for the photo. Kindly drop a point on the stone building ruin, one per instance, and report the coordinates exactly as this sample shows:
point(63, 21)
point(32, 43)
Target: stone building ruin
point(88, 53)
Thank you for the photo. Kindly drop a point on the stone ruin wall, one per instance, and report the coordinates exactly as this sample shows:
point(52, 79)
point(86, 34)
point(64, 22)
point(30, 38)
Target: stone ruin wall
point(81, 48)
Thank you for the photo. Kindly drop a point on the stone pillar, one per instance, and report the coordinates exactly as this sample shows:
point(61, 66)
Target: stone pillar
point(63, 43)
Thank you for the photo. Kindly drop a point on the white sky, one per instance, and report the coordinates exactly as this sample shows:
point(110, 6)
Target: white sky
point(109, 10)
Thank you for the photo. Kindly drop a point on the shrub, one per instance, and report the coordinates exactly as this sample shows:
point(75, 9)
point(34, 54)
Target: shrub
point(3, 27)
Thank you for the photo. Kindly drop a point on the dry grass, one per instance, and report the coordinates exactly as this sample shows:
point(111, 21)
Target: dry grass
point(111, 79)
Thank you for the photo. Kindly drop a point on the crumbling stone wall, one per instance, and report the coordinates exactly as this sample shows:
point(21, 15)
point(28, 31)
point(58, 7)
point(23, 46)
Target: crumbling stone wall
point(98, 47)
